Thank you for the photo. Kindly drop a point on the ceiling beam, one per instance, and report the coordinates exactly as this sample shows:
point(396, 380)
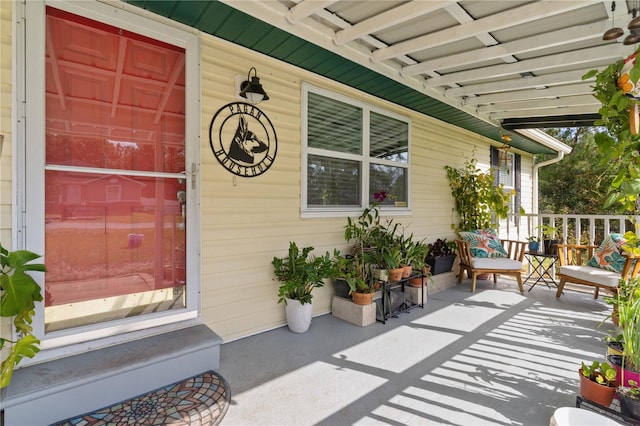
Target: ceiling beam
point(611, 52)
point(395, 16)
point(520, 95)
point(582, 120)
point(509, 18)
point(459, 14)
point(519, 83)
point(569, 101)
point(542, 112)
point(304, 9)
point(543, 41)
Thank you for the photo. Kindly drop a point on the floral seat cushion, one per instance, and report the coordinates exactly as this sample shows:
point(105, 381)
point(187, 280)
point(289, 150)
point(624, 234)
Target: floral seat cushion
point(484, 243)
point(608, 255)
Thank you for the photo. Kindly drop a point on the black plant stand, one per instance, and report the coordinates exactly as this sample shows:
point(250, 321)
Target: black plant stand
point(397, 288)
point(612, 411)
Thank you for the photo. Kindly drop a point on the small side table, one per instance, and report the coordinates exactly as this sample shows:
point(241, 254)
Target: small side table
point(541, 268)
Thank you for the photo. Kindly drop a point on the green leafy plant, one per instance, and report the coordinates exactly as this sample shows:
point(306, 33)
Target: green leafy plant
point(19, 292)
point(421, 252)
point(533, 239)
point(632, 243)
point(300, 272)
point(355, 270)
point(600, 372)
point(392, 255)
point(549, 232)
point(478, 202)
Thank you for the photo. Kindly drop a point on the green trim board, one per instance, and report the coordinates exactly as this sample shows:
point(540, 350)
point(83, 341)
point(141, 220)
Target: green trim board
point(223, 21)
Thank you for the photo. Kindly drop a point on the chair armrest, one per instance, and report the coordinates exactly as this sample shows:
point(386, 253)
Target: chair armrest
point(631, 266)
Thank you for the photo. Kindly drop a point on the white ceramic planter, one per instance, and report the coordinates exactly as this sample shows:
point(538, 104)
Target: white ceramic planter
point(298, 315)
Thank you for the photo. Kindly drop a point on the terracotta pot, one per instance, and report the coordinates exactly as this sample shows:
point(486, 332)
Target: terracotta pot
point(418, 282)
point(615, 317)
point(595, 392)
point(421, 282)
point(362, 298)
point(395, 275)
point(406, 271)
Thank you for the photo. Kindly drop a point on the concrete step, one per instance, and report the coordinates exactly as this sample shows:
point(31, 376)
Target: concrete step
point(44, 393)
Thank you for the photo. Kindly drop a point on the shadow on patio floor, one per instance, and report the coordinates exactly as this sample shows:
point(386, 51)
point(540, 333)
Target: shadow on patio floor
point(492, 357)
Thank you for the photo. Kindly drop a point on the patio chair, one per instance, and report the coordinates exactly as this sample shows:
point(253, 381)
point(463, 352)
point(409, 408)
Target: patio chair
point(577, 267)
point(510, 265)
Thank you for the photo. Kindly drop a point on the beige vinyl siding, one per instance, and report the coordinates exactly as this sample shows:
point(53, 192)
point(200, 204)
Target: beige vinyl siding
point(247, 221)
point(5, 130)
point(6, 28)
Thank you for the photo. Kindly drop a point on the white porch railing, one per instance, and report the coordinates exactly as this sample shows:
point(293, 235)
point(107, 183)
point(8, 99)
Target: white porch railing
point(591, 229)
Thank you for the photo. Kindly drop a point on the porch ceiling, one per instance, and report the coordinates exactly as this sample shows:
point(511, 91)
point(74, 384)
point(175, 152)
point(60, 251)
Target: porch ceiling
point(479, 65)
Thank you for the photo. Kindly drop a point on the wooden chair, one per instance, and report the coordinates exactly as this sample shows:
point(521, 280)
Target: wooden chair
point(573, 259)
point(475, 266)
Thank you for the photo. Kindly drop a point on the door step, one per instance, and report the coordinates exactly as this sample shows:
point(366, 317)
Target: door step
point(55, 390)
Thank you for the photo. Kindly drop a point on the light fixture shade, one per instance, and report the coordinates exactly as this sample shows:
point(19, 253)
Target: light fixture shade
point(252, 90)
point(613, 33)
point(632, 38)
point(634, 24)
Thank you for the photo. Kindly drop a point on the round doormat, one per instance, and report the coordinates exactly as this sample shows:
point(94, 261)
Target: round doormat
point(199, 400)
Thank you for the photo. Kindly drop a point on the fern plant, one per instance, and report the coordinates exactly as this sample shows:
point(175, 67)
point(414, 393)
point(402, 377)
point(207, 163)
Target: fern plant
point(18, 294)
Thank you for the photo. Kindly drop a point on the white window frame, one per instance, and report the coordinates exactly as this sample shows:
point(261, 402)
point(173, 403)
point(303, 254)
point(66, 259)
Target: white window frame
point(367, 109)
point(29, 128)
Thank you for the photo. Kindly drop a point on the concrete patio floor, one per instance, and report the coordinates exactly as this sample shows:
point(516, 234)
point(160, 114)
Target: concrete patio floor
point(490, 357)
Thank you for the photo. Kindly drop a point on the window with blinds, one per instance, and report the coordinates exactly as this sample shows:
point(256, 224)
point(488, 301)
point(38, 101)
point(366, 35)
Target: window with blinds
point(354, 154)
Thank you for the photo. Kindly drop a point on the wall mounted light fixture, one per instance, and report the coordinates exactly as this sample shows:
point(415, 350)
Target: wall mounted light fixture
point(252, 90)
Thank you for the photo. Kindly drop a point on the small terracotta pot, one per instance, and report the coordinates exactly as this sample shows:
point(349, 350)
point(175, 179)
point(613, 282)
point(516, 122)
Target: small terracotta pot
point(595, 392)
point(418, 282)
point(406, 271)
point(362, 298)
point(395, 275)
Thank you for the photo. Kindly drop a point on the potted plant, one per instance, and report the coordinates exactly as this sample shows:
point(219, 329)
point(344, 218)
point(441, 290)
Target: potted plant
point(392, 256)
point(18, 293)
point(534, 243)
point(598, 382)
point(630, 400)
point(300, 272)
point(361, 282)
point(341, 267)
point(478, 201)
point(628, 302)
point(441, 256)
point(408, 249)
point(549, 237)
point(420, 264)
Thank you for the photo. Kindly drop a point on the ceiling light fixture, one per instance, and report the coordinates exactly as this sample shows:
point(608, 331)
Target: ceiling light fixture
point(252, 90)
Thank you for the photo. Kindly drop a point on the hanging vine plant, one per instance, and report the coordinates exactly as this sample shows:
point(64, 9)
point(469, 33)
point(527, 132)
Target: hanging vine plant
point(617, 89)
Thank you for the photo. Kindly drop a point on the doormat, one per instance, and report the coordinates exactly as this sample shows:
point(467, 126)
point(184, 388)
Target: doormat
point(199, 400)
